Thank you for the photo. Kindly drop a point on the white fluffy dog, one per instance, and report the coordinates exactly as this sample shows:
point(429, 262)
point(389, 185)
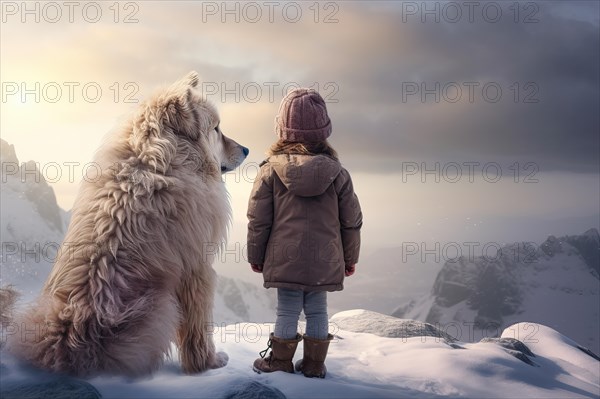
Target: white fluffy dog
point(135, 271)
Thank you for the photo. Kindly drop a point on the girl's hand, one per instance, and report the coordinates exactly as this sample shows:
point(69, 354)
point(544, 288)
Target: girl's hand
point(257, 268)
point(350, 269)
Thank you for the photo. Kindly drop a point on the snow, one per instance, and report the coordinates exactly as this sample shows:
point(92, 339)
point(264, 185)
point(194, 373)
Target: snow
point(362, 365)
point(348, 313)
point(366, 321)
point(566, 354)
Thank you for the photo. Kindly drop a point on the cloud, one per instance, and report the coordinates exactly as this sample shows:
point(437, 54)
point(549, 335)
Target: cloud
point(553, 62)
point(370, 56)
point(368, 59)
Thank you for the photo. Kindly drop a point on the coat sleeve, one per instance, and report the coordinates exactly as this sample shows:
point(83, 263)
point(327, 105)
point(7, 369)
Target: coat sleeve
point(350, 218)
point(260, 215)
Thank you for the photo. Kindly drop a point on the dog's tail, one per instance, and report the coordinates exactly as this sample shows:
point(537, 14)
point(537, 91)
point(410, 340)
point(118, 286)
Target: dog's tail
point(8, 299)
point(29, 335)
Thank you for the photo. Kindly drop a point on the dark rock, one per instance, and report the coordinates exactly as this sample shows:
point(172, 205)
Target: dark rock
point(455, 345)
point(551, 246)
point(62, 388)
point(253, 390)
point(451, 292)
point(522, 357)
point(510, 343)
point(588, 352)
point(513, 347)
point(488, 286)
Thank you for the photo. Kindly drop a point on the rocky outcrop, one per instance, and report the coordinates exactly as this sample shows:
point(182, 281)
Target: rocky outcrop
point(250, 389)
point(487, 285)
point(366, 321)
point(58, 387)
point(513, 347)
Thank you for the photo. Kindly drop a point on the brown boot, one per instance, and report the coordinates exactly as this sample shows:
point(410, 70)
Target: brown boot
point(280, 358)
point(315, 352)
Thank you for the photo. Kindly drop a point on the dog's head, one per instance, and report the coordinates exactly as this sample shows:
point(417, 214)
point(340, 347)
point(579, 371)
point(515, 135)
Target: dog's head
point(180, 128)
point(228, 153)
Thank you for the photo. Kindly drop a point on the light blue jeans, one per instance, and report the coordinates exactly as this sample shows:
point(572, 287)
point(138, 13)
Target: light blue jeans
point(289, 305)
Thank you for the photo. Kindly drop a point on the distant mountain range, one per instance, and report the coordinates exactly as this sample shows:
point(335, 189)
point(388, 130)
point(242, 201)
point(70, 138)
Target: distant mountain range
point(556, 284)
point(33, 226)
point(382, 281)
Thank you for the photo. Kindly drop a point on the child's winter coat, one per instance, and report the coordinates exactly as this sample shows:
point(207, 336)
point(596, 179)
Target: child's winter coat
point(304, 222)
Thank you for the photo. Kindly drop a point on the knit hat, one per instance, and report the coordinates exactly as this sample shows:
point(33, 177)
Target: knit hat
point(303, 117)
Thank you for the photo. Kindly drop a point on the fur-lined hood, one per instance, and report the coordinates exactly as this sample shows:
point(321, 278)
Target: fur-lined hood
point(305, 175)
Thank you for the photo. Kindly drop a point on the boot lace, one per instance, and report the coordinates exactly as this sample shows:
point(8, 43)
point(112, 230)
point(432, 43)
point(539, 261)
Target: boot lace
point(264, 353)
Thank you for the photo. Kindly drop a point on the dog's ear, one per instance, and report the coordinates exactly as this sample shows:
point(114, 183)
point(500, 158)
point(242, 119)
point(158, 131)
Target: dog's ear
point(192, 78)
point(181, 114)
point(176, 111)
point(186, 112)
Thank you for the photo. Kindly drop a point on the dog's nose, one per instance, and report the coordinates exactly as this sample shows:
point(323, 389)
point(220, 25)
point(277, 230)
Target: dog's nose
point(245, 151)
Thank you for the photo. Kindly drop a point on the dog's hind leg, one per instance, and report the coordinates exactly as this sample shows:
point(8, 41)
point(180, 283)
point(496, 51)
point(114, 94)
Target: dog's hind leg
point(195, 332)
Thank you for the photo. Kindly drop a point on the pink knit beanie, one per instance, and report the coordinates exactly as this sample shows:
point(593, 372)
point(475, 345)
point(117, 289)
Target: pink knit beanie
point(303, 117)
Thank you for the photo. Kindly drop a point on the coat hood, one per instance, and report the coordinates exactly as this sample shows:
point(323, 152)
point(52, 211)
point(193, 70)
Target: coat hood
point(305, 175)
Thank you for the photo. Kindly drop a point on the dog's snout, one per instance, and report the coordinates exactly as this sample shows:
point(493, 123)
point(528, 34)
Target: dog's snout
point(245, 150)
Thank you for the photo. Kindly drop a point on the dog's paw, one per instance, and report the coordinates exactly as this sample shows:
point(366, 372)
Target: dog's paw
point(220, 360)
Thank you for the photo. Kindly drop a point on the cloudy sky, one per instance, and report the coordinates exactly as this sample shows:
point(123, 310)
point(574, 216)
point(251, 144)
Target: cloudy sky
point(458, 122)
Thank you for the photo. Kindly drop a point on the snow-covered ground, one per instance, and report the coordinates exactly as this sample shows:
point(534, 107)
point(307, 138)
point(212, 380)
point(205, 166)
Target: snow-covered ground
point(365, 365)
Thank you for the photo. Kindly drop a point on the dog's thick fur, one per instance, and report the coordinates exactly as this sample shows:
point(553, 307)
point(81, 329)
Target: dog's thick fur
point(135, 272)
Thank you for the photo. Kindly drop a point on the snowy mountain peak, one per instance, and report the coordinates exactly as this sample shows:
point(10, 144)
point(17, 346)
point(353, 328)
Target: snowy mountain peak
point(26, 180)
point(586, 245)
point(7, 152)
point(550, 284)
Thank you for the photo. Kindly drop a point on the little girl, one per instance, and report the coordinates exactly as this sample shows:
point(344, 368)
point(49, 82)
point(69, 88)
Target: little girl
point(303, 231)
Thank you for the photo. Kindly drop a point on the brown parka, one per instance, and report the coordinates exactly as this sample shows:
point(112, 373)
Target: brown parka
point(304, 222)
